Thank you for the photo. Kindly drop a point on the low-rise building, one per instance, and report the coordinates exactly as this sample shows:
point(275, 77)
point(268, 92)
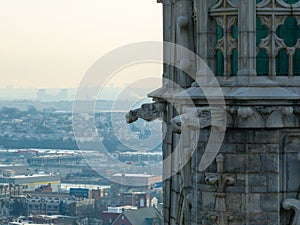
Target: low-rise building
point(31, 182)
point(137, 199)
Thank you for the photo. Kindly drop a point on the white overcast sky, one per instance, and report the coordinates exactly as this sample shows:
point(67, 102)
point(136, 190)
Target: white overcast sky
point(52, 43)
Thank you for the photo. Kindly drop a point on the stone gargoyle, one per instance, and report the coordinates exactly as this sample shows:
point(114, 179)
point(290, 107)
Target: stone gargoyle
point(148, 112)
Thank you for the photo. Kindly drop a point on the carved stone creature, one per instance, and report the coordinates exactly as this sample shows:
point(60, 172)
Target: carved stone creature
point(200, 117)
point(148, 112)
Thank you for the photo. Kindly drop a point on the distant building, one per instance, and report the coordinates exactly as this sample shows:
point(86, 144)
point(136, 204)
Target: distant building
point(143, 181)
point(54, 219)
point(80, 193)
point(7, 190)
point(86, 191)
point(18, 169)
point(57, 159)
point(33, 181)
point(44, 188)
point(48, 203)
point(140, 156)
point(81, 207)
point(137, 199)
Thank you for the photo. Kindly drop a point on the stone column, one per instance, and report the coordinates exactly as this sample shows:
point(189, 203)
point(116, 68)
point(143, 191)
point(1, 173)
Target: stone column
point(247, 38)
point(185, 38)
point(205, 31)
point(168, 36)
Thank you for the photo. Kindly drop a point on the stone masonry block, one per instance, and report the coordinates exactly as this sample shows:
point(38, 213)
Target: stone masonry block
point(270, 163)
point(235, 163)
point(270, 202)
point(208, 200)
point(252, 203)
point(266, 136)
point(253, 163)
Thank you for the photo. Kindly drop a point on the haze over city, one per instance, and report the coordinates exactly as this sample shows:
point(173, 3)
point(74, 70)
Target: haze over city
point(52, 43)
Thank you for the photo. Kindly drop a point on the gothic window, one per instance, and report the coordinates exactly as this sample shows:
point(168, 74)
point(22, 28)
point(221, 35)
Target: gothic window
point(290, 33)
point(277, 38)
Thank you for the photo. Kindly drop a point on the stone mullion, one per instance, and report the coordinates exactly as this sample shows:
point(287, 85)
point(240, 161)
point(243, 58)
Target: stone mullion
point(225, 53)
point(247, 38)
point(273, 48)
point(223, 44)
point(291, 53)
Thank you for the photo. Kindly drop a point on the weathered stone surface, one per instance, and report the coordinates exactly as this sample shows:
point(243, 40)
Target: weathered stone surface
point(235, 163)
point(234, 202)
point(269, 202)
point(208, 200)
point(252, 203)
point(263, 148)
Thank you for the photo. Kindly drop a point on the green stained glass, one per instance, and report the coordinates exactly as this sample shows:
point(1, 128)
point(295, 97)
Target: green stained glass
point(289, 32)
point(262, 58)
point(234, 62)
point(220, 63)
point(220, 57)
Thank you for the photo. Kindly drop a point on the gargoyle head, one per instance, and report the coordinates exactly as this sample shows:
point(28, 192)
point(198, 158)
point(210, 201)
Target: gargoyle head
point(131, 116)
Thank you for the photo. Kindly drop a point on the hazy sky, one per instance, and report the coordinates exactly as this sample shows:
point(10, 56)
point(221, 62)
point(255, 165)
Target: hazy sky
point(52, 43)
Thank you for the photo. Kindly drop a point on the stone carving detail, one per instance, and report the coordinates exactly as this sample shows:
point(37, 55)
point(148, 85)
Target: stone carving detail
point(262, 117)
point(220, 180)
point(148, 112)
point(273, 14)
point(293, 204)
point(255, 117)
point(247, 117)
point(283, 117)
point(199, 118)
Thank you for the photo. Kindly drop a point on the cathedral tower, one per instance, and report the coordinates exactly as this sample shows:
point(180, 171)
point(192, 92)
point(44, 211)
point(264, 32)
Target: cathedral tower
point(233, 160)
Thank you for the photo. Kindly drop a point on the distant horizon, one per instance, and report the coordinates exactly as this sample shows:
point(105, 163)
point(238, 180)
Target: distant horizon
point(53, 94)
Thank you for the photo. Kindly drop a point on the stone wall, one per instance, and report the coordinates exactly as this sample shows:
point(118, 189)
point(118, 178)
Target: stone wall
point(264, 166)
